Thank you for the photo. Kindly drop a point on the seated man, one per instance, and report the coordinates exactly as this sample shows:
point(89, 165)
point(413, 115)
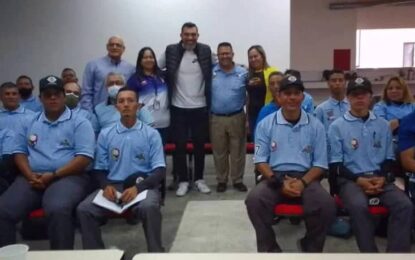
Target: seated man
point(125, 149)
point(52, 152)
point(105, 112)
point(6, 160)
point(12, 114)
point(72, 95)
point(361, 158)
point(291, 156)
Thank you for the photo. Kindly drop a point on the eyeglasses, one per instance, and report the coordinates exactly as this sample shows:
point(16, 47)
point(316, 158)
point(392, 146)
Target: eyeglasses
point(115, 45)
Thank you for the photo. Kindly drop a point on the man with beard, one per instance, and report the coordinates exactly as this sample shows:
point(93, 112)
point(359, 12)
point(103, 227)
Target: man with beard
point(25, 85)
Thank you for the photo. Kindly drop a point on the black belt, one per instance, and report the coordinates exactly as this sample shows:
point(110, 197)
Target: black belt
point(228, 114)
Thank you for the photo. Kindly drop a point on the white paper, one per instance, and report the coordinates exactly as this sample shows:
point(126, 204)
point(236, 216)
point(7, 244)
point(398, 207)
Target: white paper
point(101, 201)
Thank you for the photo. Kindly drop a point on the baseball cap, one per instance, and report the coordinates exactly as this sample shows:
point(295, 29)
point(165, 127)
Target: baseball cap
point(360, 83)
point(291, 81)
point(50, 82)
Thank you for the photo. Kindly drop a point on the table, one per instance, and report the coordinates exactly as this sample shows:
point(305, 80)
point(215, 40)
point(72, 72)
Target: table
point(281, 256)
point(110, 254)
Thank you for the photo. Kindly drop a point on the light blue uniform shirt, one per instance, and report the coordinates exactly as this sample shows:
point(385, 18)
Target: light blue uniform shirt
point(228, 90)
point(78, 111)
point(14, 120)
point(32, 103)
point(93, 81)
point(7, 141)
point(393, 110)
point(330, 110)
point(124, 151)
point(360, 146)
point(51, 145)
point(107, 114)
point(308, 103)
point(288, 147)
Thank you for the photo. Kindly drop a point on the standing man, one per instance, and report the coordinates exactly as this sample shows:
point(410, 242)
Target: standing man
point(361, 158)
point(52, 152)
point(12, 114)
point(290, 153)
point(189, 76)
point(93, 82)
point(127, 150)
point(227, 120)
point(25, 85)
point(69, 75)
point(337, 104)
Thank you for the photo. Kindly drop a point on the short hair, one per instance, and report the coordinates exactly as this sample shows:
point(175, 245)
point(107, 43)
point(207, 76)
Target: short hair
point(68, 69)
point(293, 72)
point(127, 89)
point(79, 86)
point(189, 25)
point(275, 73)
point(7, 85)
point(224, 44)
point(25, 77)
point(328, 73)
point(407, 96)
point(114, 74)
point(261, 51)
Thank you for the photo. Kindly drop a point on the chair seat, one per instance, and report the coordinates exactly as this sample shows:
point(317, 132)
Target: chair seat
point(290, 210)
point(373, 210)
point(40, 213)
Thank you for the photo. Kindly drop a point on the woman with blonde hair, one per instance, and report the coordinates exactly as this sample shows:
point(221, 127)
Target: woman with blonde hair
point(396, 102)
point(258, 84)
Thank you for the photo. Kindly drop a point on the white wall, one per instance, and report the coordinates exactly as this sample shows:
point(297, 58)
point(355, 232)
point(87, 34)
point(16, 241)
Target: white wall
point(316, 31)
point(44, 36)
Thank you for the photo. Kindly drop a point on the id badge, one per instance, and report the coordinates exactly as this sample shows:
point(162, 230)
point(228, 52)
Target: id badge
point(156, 104)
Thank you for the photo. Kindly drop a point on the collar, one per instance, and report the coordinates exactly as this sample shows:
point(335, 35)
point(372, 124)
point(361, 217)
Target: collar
point(77, 108)
point(66, 115)
point(19, 110)
point(111, 61)
point(349, 117)
point(122, 129)
point(304, 120)
point(336, 102)
point(218, 68)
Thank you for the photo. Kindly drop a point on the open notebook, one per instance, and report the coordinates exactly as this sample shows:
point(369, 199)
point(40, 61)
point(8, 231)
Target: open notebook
point(101, 201)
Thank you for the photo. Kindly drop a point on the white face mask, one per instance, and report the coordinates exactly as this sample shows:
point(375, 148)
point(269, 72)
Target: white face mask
point(113, 90)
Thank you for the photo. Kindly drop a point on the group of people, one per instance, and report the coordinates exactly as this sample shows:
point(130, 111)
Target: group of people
point(58, 150)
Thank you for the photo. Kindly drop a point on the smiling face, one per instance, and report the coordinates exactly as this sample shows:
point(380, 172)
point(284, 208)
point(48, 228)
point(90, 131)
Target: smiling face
point(115, 48)
point(225, 56)
point(148, 61)
point(291, 98)
point(395, 91)
point(189, 36)
point(255, 59)
point(10, 98)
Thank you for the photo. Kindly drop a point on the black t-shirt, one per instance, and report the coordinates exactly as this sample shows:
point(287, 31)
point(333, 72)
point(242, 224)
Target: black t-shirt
point(256, 94)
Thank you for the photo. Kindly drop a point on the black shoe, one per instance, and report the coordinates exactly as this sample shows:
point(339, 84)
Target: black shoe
point(300, 245)
point(240, 187)
point(221, 187)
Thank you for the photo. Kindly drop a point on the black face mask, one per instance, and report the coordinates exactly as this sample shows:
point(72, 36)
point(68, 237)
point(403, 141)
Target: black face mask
point(25, 92)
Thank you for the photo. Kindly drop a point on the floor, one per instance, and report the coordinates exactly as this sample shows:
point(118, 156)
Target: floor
point(207, 223)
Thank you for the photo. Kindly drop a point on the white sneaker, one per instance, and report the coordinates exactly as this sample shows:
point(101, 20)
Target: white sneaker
point(183, 189)
point(201, 186)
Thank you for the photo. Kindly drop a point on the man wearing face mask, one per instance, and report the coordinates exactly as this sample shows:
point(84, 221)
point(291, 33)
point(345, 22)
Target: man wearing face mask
point(72, 95)
point(106, 113)
point(93, 82)
point(25, 85)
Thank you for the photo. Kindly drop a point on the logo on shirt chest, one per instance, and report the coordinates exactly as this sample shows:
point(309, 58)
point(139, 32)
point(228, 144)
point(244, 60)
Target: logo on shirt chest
point(330, 114)
point(32, 140)
point(307, 149)
point(140, 157)
point(115, 154)
point(354, 143)
point(65, 143)
point(273, 146)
